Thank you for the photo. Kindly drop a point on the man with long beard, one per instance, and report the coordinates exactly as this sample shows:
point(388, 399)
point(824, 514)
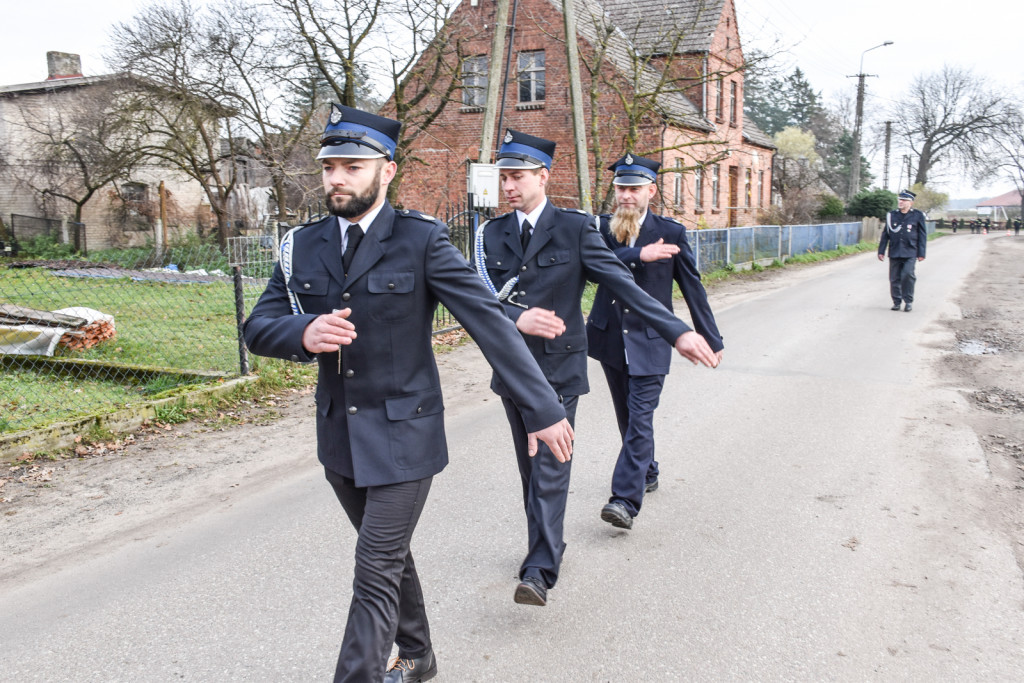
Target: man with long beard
point(379, 410)
point(537, 260)
point(634, 358)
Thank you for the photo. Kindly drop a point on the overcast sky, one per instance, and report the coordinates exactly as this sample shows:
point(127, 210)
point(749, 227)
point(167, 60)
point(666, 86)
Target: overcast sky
point(825, 39)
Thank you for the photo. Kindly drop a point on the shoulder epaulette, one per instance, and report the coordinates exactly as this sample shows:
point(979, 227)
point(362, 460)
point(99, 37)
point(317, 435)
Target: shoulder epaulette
point(409, 213)
point(575, 211)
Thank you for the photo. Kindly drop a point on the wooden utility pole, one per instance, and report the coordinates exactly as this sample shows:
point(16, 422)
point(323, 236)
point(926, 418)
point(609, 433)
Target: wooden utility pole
point(576, 100)
point(494, 81)
point(888, 140)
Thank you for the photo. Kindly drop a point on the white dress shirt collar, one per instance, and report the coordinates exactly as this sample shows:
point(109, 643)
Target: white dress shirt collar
point(533, 216)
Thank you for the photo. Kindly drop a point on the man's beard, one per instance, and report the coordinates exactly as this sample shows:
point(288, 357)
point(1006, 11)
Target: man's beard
point(356, 204)
point(625, 224)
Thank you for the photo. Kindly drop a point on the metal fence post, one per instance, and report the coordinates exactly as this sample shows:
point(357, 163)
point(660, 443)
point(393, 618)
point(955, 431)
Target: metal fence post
point(728, 246)
point(243, 353)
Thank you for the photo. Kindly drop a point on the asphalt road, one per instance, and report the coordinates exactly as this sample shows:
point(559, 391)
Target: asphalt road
point(818, 519)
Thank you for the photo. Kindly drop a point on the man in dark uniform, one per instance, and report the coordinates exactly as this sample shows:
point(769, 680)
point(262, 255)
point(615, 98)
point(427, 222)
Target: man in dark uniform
point(956, 224)
point(907, 238)
point(633, 357)
point(1016, 227)
point(537, 260)
point(379, 410)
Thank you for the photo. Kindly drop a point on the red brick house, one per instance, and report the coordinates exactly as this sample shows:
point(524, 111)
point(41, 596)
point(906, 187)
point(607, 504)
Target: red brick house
point(661, 78)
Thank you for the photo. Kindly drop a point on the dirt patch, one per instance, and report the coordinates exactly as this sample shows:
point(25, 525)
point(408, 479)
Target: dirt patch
point(987, 365)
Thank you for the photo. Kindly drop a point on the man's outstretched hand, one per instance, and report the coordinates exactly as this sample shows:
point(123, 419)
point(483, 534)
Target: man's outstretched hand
point(558, 437)
point(694, 347)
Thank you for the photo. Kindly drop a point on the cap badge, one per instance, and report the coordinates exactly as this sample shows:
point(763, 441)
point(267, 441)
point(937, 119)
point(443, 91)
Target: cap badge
point(508, 137)
point(629, 159)
point(335, 116)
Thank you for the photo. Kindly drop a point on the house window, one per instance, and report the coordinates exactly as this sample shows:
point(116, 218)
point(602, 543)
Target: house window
point(715, 177)
point(747, 186)
point(733, 101)
point(677, 183)
point(474, 81)
point(134, 192)
point(719, 102)
point(760, 188)
point(531, 76)
point(698, 187)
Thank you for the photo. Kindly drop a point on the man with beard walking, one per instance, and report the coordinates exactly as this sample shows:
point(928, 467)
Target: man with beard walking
point(379, 410)
point(634, 359)
point(537, 259)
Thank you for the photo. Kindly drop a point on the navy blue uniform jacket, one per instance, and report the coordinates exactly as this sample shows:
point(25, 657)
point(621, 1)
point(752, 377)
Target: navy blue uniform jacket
point(382, 416)
point(905, 234)
point(615, 332)
point(565, 251)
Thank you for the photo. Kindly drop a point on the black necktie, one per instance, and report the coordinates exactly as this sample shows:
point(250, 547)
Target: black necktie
point(354, 235)
point(524, 235)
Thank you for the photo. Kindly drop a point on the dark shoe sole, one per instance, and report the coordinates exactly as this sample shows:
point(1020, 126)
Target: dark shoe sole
point(425, 676)
point(908, 309)
point(651, 487)
point(617, 518)
point(895, 308)
point(528, 595)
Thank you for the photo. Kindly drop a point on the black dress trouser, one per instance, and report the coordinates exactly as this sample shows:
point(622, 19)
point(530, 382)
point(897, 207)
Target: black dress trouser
point(902, 279)
point(387, 602)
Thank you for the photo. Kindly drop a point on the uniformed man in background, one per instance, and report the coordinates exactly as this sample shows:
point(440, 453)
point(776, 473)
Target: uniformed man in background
point(633, 357)
point(537, 259)
point(379, 409)
point(907, 238)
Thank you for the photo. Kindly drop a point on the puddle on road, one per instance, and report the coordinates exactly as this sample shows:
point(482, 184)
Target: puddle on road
point(972, 347)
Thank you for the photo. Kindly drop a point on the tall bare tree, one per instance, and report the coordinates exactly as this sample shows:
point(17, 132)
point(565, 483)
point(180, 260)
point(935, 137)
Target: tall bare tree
point(1008, 150)
point(946, 119)
point(165, 47)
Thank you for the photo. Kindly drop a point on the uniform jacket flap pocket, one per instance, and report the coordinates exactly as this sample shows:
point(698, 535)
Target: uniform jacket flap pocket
point(653, 333)
point(420, 404)
point(553, 257)
point(567, 343)
point(312, 284)
point(598, 321)
point(390, 283)
point(323, 403)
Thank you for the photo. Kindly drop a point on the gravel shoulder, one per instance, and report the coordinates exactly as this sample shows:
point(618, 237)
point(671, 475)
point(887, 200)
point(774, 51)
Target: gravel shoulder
point(54, 513)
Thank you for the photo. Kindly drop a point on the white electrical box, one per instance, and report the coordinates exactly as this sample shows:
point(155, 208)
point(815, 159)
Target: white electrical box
point(483, 185)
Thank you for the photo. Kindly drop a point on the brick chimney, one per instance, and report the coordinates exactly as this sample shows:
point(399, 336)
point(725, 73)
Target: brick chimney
point(63, 65)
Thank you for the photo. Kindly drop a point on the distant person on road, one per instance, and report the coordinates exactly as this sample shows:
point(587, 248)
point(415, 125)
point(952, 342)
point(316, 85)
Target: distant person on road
point(1016, 227)
point(907, 238)
point(633, 357)
point(379, 409)
point(956, 224)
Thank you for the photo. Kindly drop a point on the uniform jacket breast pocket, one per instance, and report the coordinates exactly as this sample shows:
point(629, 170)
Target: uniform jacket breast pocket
point(553, 257)
point(391, 295)
point(311, 289)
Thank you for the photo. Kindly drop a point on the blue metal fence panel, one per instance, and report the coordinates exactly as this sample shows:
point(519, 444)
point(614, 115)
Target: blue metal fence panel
point(711, 249)
point(766, 242)
point(741, 245)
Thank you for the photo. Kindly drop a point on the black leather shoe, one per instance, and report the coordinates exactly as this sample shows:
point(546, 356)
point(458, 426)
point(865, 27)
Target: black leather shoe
point(651, 486)
point(411, 670)
point(531, 591)
point(908, 308)
point(895, 307)
point(616, 515)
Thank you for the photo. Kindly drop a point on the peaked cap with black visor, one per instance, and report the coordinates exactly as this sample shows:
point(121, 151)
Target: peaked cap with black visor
point(631, 170)
point(524, 152)
point(355, 134)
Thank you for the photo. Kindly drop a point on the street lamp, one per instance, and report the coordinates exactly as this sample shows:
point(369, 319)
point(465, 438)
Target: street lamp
point(855, 162)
